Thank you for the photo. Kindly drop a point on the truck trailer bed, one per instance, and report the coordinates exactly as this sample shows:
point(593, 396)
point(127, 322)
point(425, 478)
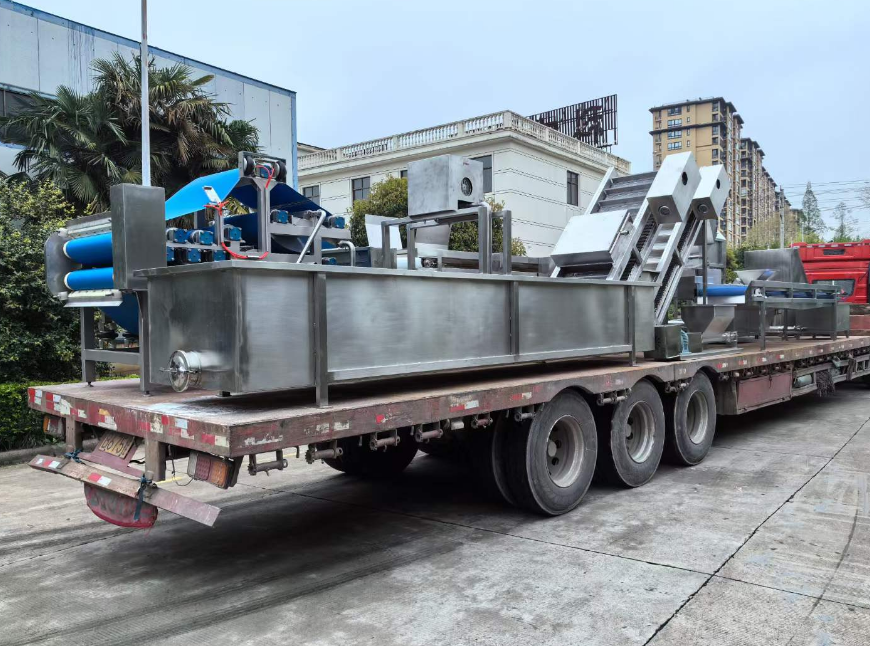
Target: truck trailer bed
point(241, 425)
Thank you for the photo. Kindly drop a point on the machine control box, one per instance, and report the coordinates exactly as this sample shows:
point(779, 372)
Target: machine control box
point(444, 183)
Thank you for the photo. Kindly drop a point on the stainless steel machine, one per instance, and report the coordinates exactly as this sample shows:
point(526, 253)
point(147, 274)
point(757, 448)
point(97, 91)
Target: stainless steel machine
point(277, 312)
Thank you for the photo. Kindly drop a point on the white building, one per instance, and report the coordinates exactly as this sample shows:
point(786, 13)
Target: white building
point(543, 176)
point(40, 51)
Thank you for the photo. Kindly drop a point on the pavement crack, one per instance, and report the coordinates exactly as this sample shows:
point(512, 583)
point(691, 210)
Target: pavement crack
point(756, 530)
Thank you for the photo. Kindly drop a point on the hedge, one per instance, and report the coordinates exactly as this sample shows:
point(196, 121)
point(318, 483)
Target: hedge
point(20, 426)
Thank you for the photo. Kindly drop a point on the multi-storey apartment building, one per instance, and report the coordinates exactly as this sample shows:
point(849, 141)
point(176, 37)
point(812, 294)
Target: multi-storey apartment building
point(711, 129)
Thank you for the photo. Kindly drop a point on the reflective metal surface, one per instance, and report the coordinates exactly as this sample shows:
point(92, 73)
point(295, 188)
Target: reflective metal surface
point(252, 322)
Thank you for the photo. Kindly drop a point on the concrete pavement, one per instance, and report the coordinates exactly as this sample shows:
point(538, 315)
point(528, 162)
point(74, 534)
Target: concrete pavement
point(766, 542)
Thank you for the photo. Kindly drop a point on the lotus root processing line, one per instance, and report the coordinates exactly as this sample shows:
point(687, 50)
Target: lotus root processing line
point(274, 304)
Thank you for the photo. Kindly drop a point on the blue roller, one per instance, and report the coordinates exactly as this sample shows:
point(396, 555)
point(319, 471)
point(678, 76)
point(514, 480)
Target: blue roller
point(99, 278)
point(92, 251)
point(726, 290)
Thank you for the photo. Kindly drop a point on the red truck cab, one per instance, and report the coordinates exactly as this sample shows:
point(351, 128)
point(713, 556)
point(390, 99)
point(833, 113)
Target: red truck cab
point(838, 263)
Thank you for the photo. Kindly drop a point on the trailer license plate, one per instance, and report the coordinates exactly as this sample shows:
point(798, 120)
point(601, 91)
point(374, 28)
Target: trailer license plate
point(116, 444)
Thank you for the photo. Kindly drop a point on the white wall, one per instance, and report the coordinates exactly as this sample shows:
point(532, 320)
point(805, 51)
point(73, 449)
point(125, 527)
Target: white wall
point(530, 180)
point(39, 52)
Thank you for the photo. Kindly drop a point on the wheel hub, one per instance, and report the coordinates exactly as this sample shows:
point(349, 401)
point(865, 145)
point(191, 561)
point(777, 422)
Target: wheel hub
point(565, 451)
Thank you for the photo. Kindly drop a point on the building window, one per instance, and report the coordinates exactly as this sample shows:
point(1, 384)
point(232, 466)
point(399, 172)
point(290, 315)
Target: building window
point(675, 134)
point(573, 189)
point(742, 182)
point(403, 174)
point(312, 193)
point(11, 102)
point(675, 145)
point(715, 153)
point(673, 123)
point(715, 162)
point(673, 111)
point(362, 188)
point(486, 160)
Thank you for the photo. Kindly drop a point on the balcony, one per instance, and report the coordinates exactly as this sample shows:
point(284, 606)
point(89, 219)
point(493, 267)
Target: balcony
point(491, 123)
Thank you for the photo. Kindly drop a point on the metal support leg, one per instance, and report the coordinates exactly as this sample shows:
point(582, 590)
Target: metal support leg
point(412, 246)
point(762, 325)
point(88, 342)
point(507, 257)
point(385, 246)
point(155, 459)
point(704, 260)
point(74, 434)
point(834, 321)
point(484, 239)
point(514, 304)
point(629, 324)
point(321, 372)
point(144, 350)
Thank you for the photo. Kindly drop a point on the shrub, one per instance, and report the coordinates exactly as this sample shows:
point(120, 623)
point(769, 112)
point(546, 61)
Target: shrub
point(20, 426)
point(38, 336)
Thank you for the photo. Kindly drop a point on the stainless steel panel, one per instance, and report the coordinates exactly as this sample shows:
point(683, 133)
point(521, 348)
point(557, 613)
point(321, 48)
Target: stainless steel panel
point(138, 232)
point(673, 188)
point(438, 184)
point(785, 262)
point(252, 321)
point(393, 321)
point(711, 193)
point(822, 319)
point(590, 239)
point(274, 331)
point(195, 312)
point(57, 265)
point(562, 317)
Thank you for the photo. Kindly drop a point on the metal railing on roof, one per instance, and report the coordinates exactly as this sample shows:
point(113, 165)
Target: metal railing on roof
point(497, 121)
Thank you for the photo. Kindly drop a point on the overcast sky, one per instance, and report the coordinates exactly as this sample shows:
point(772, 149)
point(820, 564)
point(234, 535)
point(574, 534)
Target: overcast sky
point(798, 72)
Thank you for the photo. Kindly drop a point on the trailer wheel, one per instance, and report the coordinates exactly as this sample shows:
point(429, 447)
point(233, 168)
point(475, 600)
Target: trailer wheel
point(550, 460)
point(363, 462)
point(632, 445)
point(690, 420)
point(488, 450)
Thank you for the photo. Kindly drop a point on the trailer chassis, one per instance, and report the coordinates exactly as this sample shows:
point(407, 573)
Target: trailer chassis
point(430, 409)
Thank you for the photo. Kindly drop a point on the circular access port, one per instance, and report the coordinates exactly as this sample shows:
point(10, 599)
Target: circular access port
point(184, 370)
point(685, 179)
point(640, 432)
point(702, 209)
point(565, 451)
point(664, 211)
point(697, 417)
point(466, 186)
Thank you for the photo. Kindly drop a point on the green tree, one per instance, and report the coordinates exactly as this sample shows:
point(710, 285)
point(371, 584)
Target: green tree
point(845, 229)
point(38, 337)
point(85, 143)
point(812, 221)
point(389, 198)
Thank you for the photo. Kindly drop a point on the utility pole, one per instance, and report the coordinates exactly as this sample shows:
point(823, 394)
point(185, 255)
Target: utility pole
point(146, 124)
point(781, 217)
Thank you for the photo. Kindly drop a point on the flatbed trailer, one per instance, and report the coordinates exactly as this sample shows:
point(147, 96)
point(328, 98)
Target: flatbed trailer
point(374, 419)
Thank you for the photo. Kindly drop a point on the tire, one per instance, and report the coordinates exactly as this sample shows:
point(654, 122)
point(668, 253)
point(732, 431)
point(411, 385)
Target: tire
point(690, 422)
point(633, 442)
point(550, 460)
point(487, 449)
point(362, 462)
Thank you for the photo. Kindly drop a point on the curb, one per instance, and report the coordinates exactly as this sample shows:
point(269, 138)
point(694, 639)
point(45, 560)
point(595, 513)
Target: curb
point(24, 455)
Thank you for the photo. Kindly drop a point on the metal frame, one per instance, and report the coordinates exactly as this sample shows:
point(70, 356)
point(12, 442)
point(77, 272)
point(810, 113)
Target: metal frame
point(481, 214)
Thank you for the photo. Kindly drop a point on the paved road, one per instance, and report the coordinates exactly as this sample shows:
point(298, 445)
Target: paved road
point(766, 542)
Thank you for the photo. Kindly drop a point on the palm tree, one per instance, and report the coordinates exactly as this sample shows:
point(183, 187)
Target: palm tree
point(86, 143)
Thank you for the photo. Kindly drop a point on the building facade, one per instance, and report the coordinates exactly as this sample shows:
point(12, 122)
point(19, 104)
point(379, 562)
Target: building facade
point(40, 51)
point(543, 176)
point(711, 129)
